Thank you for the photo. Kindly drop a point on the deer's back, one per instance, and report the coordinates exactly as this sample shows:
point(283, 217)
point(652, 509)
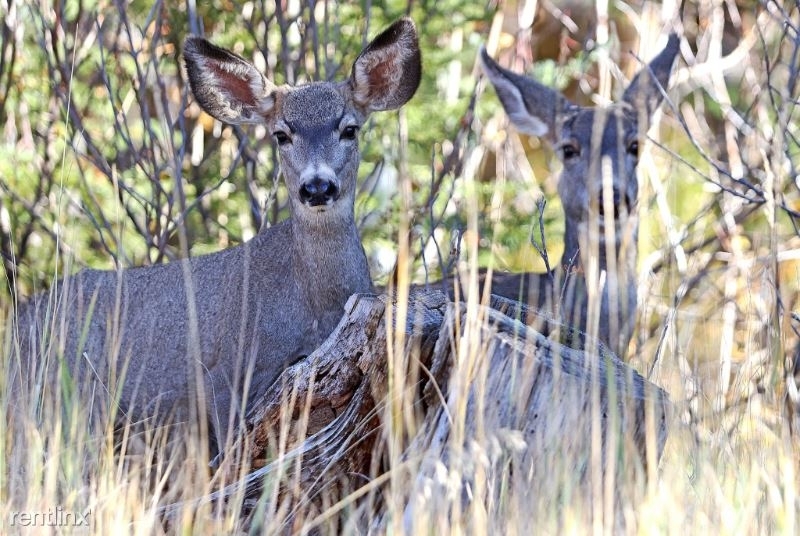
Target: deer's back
point(562, 296)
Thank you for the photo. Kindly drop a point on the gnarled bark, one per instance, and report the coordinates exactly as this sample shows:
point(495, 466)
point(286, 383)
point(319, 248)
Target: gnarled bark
point(524, 397)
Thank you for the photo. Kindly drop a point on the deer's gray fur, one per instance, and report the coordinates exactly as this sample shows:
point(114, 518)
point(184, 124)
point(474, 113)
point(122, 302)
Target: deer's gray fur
point(218, 329)
point(599, 191)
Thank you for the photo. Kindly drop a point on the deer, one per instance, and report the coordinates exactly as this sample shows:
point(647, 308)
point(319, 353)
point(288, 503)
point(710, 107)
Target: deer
point(599, 190)
point(214, 332)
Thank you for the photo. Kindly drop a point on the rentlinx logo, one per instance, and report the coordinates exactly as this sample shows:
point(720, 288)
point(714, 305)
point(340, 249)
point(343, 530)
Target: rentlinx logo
point(52, 517)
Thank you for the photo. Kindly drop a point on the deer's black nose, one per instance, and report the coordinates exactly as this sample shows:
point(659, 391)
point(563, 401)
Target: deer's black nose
point(619, 200)
point(317, 192)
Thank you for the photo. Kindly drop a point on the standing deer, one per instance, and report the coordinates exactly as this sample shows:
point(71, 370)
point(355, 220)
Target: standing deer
point(215, 331)
point(599, 149)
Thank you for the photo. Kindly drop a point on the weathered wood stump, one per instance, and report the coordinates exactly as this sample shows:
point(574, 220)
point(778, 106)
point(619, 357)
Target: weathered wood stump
point(477, 382)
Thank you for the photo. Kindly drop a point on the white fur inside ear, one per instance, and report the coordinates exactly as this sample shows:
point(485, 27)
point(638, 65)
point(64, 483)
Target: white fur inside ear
point(377, 76)
point(266, 99)
point(363, 68)
point(262, 92)
point(266, 105)
point(227, 86)
point(386, 74)
point(527, 123)
point(515, 107)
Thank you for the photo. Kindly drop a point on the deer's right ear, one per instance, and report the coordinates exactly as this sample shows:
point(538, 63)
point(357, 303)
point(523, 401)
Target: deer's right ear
point(226, 85)
point(531, 106)
point(387, 72)
point(645, 91)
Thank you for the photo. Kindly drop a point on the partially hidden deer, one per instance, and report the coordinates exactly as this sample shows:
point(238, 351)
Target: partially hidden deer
point(215, 331)
point(599, 191)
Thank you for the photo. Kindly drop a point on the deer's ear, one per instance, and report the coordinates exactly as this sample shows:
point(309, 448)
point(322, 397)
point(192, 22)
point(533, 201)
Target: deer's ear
point(532, 107)
point(387, 72)
point(226, 85)
point(644, 92)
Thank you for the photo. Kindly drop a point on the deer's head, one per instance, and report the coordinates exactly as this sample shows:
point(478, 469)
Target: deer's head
point(315, 126)
point(598, 146)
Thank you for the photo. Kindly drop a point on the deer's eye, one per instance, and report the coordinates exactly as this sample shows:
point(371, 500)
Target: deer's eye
point(349, 133)
point(570, 150)
point(281, 137)
point(633, 148)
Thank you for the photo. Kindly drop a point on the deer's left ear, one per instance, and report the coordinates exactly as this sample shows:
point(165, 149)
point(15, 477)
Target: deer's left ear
point(532, 107)
point(644, 92)
point(226, 85)
point(387, 72)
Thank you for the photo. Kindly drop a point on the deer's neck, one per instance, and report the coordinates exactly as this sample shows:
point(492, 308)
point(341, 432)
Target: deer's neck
point(621, 258)
point(328, 262)
point(615, 274)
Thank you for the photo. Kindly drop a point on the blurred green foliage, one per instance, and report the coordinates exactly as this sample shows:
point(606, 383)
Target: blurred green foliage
point(105, 159)
point(105, 163)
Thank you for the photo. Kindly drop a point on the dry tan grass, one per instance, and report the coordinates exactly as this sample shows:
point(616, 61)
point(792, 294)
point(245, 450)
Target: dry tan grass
point(715, 332)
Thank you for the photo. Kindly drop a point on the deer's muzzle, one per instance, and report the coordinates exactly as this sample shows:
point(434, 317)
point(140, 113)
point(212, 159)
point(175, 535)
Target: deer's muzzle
point(620, 200)
point(319, 192)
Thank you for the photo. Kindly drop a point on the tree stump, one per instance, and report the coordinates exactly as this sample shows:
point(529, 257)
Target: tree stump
point(483, 385)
